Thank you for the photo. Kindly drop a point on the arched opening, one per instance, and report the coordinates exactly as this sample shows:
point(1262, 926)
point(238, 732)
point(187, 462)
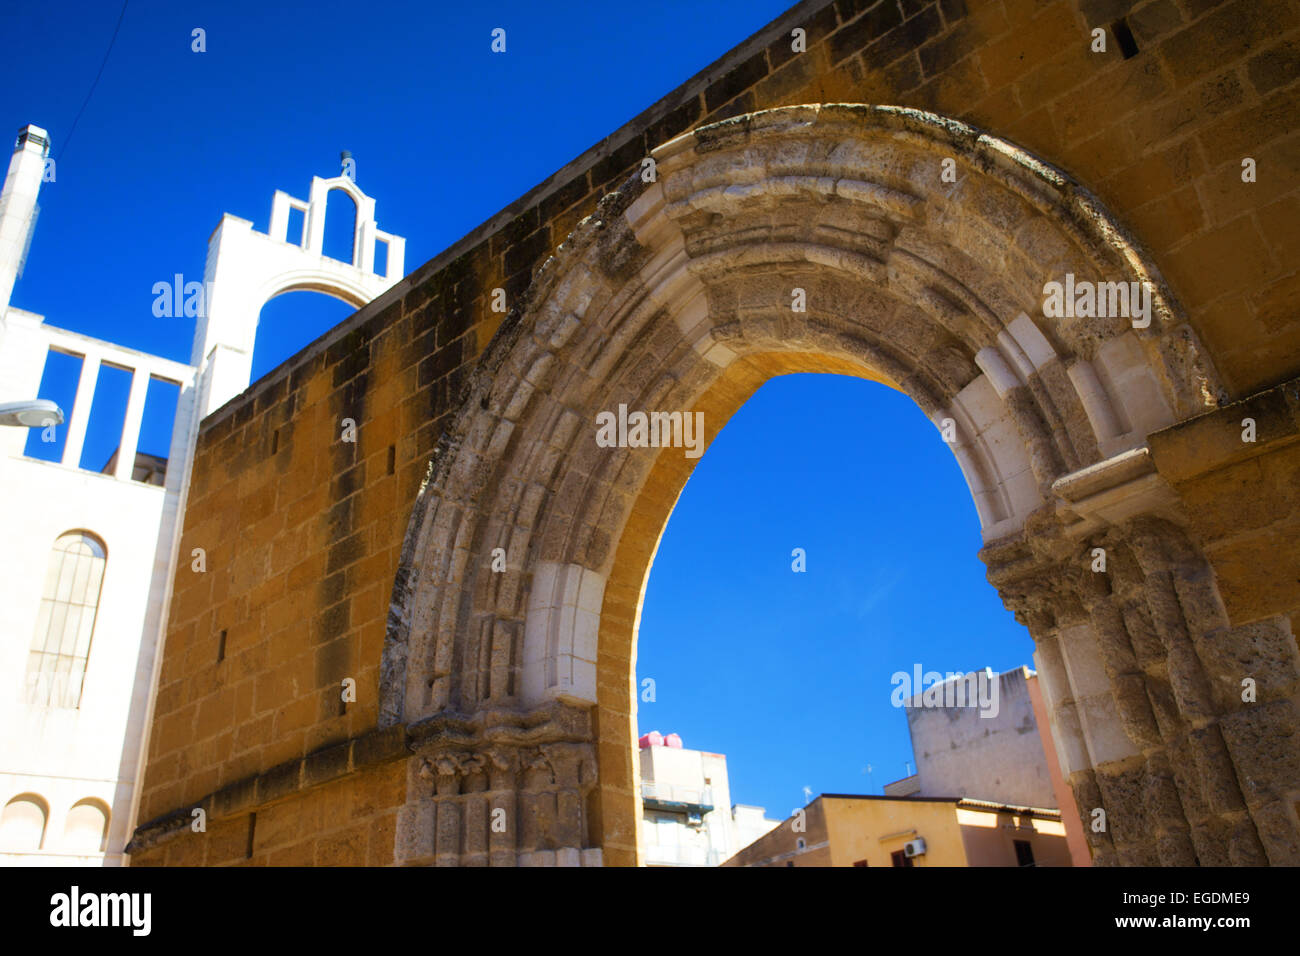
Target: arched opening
point(86, 829)
point(292, 320)
point(340, 226)
point(825, 543)
point(22, 825)
point(663, 479)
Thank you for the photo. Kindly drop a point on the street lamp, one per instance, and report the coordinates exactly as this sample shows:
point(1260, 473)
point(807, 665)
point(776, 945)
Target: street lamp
point(33, 413)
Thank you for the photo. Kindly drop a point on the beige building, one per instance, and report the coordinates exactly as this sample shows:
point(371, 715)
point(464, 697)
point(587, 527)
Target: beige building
point(999, 753)
point(854, 830)
point(687, 817)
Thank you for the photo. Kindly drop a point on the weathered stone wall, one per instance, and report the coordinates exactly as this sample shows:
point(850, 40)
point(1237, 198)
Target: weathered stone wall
point(337, 807)
point(303, 531)
point(1243, 496)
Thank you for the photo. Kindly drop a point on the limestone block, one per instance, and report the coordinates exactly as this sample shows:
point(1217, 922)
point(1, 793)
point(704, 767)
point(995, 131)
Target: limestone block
point(1101, 413)
point(1051, 669)
point(1278, 832)
point(1210, 840)
point(1083, 661)
point(561, 633)
point(1071, 745)
point(415, 833)
point(1263, 741)
point(1264, 651)
point(1215, 771)
point(1031, 341)
point(1123, 790)
point(1103, 729)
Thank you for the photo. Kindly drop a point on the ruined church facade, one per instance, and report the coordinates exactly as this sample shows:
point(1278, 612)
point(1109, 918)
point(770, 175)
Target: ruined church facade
point(414, 641)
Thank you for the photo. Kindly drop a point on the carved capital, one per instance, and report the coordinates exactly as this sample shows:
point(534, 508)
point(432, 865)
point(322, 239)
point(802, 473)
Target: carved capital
point(505, 787)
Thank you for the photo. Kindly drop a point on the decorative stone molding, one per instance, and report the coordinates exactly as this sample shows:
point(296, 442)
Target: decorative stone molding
point(283, 781)
point(1113, 491)
point(1143, 704)
point(504, 788)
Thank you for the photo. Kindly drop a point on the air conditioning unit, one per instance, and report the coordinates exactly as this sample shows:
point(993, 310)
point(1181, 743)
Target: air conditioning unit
point(914, 847)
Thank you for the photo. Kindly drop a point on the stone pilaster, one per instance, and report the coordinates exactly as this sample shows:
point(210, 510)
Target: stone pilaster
point(1145, 704)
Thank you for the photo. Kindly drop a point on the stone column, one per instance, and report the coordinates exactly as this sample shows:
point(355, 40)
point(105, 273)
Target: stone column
point(1143, 680)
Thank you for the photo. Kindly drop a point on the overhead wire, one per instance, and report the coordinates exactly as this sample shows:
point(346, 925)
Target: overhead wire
point(86, 102)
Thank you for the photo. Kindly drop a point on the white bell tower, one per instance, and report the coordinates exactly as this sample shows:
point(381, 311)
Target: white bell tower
point(245, 269)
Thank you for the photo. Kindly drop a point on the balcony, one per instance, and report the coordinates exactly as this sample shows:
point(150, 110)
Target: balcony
point(663, 796)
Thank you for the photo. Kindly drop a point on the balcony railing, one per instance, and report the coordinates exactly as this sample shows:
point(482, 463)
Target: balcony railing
point(664, 796)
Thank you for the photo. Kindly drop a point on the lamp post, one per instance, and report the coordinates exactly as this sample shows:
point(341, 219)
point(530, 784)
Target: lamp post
point(33, 413)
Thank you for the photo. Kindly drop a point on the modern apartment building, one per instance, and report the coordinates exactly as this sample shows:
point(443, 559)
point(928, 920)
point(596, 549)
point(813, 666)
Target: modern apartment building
point(687, 815)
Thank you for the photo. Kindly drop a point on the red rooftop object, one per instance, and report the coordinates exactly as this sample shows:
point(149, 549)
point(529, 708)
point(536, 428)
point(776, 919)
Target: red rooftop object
point(656, 739)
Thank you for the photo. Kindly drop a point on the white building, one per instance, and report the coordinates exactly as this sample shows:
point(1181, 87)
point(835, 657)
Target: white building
point(687, 818)
point(88, 554)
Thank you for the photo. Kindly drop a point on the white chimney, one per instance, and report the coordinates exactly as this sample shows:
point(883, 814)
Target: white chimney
point(18, 205)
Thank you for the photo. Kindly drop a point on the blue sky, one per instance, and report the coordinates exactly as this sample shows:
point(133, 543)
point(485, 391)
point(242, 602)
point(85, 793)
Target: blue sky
point(786, 673)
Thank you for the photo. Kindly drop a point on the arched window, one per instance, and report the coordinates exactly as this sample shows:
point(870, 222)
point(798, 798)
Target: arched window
point(340, 226)
point(86, 830)
point(22, 826)
point(56, 669)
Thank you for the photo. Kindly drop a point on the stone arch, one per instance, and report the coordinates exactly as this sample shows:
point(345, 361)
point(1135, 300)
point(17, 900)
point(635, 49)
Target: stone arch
point(345, 290)
point(517, 686)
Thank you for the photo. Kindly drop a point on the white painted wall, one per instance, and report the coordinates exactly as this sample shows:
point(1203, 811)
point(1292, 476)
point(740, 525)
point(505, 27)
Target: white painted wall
point(96, 751)
point(245, 269)
point(693, 776)
point(68, 755)
point(750, 823)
